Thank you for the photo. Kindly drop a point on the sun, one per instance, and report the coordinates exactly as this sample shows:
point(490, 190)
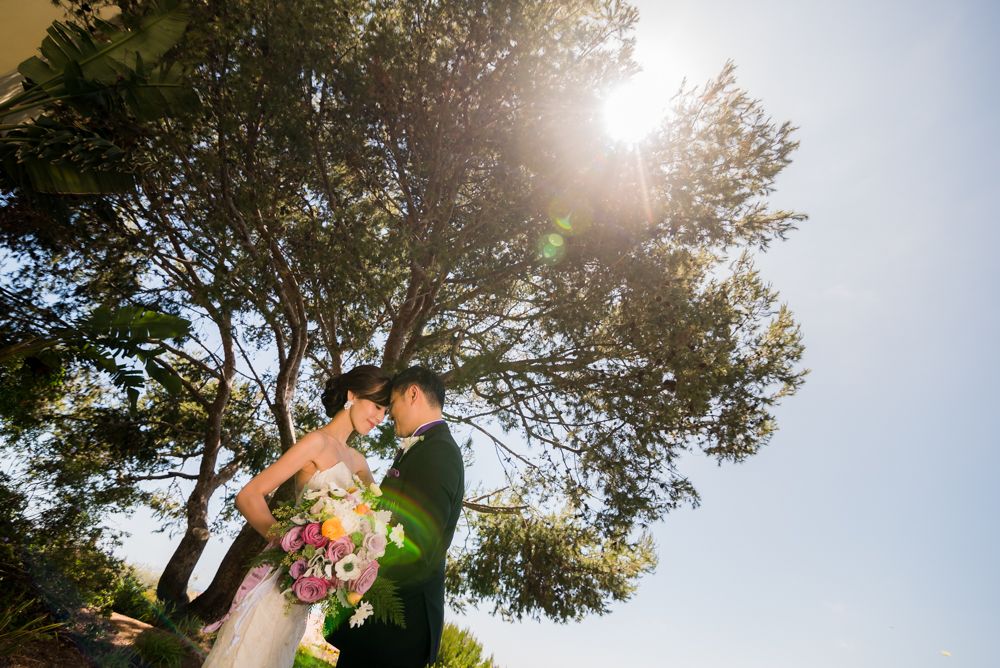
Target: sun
point(633, 110)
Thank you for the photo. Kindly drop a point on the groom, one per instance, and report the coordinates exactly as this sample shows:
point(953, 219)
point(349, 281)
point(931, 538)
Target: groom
point(424, 487)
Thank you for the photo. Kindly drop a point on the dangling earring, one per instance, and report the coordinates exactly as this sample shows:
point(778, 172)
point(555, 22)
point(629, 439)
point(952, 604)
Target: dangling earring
point(348, 404)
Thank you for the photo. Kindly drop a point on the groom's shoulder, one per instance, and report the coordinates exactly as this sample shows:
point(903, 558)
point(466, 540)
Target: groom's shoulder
point(443, 436)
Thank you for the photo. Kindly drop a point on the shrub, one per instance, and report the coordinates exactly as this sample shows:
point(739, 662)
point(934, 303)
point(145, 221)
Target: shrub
point(188, 625)
point(59, 558)
point(121, 658)
point(19, 627)
point(461, 649)
point(129, 597)
point(303, 659)
point(159, 649)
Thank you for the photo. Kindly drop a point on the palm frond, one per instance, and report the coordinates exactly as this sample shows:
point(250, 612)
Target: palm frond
point(106, 59)
point(113, 71)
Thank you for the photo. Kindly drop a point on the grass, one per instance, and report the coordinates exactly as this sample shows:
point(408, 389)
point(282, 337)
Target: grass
point(121, 658)
point(304, 659)
point(16, 632)
point(159, 649)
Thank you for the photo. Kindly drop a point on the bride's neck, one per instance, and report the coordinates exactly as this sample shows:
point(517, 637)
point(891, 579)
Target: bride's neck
point(340, 427)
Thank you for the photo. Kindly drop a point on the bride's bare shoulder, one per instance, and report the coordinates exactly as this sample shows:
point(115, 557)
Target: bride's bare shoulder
point(352, 457)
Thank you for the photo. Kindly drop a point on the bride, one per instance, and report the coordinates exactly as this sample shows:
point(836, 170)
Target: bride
point(262, 629)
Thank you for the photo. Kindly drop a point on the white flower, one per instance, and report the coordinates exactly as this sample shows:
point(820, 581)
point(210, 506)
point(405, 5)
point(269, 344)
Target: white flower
point(348, 568)
point(396, 535)
point(407, 442)
point(383, 516)
point(349, 519)
point(318, 507)
point(363, 612)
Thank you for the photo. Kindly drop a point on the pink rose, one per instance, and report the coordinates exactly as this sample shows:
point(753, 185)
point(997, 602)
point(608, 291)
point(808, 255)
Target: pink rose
point(292, 540)
point(310, 589)
point(375, 545)
point(298, 568)
point(367, 578)
point(313, 534)
point(339, 548)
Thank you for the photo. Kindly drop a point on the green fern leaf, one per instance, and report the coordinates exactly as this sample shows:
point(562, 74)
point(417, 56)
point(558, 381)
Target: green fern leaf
point(388, 607)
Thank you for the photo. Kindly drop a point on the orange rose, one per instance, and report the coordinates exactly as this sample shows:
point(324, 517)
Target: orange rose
point(353, 597)
point(362, 509)
point(333, 529)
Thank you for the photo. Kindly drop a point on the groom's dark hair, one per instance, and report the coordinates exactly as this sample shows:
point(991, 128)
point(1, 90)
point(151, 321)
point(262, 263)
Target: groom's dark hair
point(428, 381)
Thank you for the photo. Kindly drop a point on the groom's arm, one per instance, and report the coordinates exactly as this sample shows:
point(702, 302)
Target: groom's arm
point(433, 484)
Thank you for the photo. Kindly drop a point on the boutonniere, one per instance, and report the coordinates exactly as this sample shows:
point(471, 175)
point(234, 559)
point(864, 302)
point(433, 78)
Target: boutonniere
point(407, 443)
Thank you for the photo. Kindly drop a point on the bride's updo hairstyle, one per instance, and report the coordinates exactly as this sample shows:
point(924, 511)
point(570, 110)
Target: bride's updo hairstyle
point(366, 382)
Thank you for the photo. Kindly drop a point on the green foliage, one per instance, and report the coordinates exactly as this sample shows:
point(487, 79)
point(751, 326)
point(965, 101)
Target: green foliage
point(58, 559)
point(100, 339)
point(461, 649)
point(120, 658)
point(126, 332)
point(387, 607)
point(564, 570)
point(386, 604)
point(56, 563)
point(71, 55)
point(134, 598)
point(303, 659)
point(28, 385)
point(159, 649)
point(130, 597)
point(18, 627)
point(110, 72)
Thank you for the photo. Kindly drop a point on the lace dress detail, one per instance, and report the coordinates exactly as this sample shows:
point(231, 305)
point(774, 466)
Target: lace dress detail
point(262, 630)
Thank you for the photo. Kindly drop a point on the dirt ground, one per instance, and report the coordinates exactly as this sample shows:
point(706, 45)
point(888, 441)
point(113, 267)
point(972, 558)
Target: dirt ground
point(62, 653)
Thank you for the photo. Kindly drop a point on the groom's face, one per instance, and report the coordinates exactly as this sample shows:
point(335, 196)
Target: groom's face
point(403, 410)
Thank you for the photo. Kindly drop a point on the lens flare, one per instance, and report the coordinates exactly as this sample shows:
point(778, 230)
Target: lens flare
point(633, 110)
point(552, 247)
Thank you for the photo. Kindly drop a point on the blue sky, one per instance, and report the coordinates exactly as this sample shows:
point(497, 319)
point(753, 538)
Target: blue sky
point(865, 534)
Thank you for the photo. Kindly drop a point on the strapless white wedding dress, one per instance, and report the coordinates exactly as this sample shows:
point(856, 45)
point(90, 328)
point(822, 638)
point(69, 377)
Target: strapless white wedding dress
point(263, 630)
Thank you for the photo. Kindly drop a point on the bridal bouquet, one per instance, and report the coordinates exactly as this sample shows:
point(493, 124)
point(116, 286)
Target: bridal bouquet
point(328, 552)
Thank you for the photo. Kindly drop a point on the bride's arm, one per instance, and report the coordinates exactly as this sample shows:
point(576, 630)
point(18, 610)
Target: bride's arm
point(250, 500)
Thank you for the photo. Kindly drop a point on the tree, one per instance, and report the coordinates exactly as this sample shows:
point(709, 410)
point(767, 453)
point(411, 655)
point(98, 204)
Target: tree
point(461, 649)
point(423, 181)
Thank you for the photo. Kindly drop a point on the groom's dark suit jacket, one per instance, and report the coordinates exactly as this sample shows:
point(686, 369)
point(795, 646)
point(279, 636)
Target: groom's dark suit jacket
point(426, 497)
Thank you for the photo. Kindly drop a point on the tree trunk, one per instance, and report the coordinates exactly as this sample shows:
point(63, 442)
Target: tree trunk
point(213, 603)
point(173, 583)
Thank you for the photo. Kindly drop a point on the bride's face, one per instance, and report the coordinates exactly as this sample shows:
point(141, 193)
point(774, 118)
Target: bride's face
point(366, 415)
